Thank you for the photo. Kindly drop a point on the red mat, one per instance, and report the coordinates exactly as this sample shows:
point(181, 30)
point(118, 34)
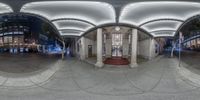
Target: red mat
point(116, 61)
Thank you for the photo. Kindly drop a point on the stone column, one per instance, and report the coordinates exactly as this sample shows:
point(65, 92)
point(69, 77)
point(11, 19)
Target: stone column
point(82, 49)
point(63, 50)
point(99, 62)
point(43, 49)
point(150, 48)
point(134, 48)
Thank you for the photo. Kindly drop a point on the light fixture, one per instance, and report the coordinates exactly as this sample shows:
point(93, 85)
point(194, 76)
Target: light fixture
point(164, 33)
point(90, 11)
point(72, 24)
point(161, 25)
point(141, 13)
point(4, 8)
point(70, 32)
point(117, 28)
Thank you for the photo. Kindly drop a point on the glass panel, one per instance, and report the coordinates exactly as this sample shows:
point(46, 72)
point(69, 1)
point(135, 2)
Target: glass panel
point(117, 45)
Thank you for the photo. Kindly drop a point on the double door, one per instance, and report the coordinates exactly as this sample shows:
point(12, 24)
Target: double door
point(116, 45)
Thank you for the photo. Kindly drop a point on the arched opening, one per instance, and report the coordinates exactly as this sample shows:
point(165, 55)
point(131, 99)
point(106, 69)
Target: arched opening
point(117, 46)
point(187, 43)
point(29, 41)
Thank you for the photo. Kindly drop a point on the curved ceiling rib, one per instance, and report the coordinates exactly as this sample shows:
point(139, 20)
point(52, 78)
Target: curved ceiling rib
point(80, 20)
point(71, 32)
point(147, 15)
point(141, 12)
point(4, 8)
point(161, 25)
point(158, 18)
point(151, 21)
point(88, 11)
point(72, 25)
point(163, 33)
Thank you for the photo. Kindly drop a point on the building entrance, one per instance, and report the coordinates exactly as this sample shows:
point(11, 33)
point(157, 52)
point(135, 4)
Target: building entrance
point(116, 45)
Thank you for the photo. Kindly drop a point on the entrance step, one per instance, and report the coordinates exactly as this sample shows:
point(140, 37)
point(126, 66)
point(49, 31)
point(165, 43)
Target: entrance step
point(116, 61)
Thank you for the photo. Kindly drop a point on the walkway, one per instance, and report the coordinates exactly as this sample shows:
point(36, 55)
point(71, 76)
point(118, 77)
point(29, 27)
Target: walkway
point(76, 80)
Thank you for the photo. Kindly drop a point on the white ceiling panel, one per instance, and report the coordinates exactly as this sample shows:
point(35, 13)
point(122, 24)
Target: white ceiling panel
point(70, 32)
point(142, 12)
point(72, 24)
point(159, 18)
point(161, 25)
point(163, 33)
point(95, 12)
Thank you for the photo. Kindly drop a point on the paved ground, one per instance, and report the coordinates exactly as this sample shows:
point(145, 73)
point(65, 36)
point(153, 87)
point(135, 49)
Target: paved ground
point(191, 61)
point(24, 63)
point(77, 80)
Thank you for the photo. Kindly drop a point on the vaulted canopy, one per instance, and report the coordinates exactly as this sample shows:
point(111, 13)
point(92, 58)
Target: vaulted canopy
point(159, 18)
point(72, 25)
point(80, 14)
point(5, 8)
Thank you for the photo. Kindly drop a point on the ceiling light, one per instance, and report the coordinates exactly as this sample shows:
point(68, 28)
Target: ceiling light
point(85, 10)
point(117, 28)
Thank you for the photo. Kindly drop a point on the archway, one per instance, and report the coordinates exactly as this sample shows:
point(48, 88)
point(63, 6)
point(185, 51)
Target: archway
point(116, 45)
point(187, 41)
point(28, 40)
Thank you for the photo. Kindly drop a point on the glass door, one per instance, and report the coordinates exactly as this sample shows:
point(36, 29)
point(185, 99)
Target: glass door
point(117, 45)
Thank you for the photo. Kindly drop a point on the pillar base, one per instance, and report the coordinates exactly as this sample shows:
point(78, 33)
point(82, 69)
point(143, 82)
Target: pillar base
point(99, 64)
point(150, 58)
point(133, 65)
point(63, 56)
point(82, 58)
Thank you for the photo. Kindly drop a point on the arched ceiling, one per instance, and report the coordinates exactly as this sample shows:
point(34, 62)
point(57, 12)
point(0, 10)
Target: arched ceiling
point(162, 26)
point(4, 8)
point(92, 12)
point(70, 32)
point(158, 18)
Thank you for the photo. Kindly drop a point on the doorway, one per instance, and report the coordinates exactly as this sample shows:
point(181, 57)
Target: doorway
point(89, 51)
point(116, 45)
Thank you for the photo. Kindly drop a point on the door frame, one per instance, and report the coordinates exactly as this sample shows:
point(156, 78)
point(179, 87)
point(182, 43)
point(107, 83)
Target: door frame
point(89, 53)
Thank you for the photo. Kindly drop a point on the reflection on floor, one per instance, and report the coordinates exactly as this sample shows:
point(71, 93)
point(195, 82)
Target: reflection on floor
point(27, 70)
point(25, 63)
